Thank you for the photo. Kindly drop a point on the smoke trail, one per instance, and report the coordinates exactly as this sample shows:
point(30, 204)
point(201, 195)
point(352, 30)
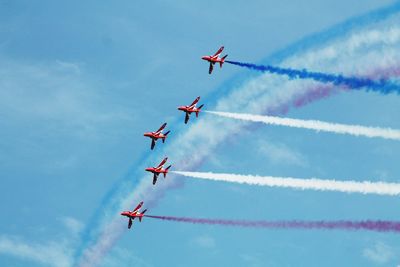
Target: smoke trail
point(382, 85)
point(369, 225)
point(365, 187)
point(356, 130)
point(273, 94)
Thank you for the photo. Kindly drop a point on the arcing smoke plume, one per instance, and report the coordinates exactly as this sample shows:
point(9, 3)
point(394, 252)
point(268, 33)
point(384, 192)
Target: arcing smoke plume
point(356, 130)
point(369, 225)
point(381, 86)
point(365, 187)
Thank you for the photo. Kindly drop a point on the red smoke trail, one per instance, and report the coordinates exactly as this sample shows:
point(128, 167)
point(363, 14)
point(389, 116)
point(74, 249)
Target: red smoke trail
point(369, 225)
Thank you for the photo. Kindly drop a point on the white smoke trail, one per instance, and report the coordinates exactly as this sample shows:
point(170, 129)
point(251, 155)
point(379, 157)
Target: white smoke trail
point(356, 130)
point(364, 187)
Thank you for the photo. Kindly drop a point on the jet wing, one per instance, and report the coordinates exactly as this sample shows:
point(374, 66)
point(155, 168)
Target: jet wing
point(162, 162)
point(186, 118)
point(219, 51)
point(210, 69)
point(195, 101)
point(138, 206)
point(162, 127)
point(129, 223)
point(153, 143)
point(155, 179)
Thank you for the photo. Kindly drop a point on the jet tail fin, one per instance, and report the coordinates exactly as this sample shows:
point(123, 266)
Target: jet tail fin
point(199, 108)
point(143, 212)
point(166, 170)
point(163, 139)
point(222, 60)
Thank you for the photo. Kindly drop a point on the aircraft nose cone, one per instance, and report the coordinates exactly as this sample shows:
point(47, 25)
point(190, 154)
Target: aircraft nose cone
point(204, 58)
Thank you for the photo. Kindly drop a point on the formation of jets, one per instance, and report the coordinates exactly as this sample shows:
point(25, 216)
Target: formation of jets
point(154, 136)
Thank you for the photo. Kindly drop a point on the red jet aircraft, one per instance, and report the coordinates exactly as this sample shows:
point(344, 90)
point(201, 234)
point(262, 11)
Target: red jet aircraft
point(192, 108)
point(159, 169)
point(157, 135)
point(134, 214)
point(215, 59)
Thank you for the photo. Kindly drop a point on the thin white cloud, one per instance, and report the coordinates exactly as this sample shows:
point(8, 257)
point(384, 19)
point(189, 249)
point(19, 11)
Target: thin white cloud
point(49, 254)
point(251, 260)
point(121, 257)
point(57, 253)
point(73, 225)
point(58, 96)
point(380, 253)
point(278, 153)
point(205, 241)
point(72, 67)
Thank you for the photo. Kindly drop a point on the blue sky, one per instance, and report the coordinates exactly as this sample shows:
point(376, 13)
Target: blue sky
point(81, 82)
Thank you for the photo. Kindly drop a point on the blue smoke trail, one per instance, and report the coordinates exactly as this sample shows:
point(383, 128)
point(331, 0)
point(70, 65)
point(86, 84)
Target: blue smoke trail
point(382, 86)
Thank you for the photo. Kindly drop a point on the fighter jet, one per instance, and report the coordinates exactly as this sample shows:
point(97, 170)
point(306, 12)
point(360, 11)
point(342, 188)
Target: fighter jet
point(134, 214)
point(159, 169)
point(215, 59)
point(157, 135)
point(192, 108)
